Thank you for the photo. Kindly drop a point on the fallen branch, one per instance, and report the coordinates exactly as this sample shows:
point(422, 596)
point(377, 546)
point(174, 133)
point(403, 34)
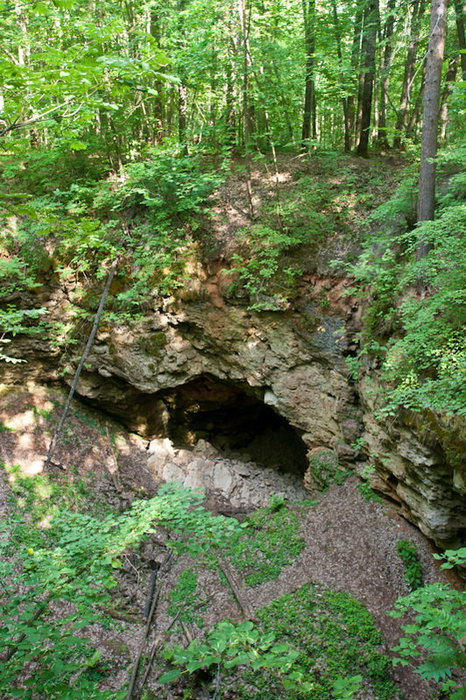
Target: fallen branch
point(153, 607)
point(157, 642)
point(119, 615)
point(243, 605)
point(86, 352)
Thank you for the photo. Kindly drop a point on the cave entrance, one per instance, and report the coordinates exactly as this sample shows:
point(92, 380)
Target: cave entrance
point(234, 421)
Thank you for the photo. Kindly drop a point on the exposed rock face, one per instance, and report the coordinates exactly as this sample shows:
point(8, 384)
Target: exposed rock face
point(274, 387)
point(240, 485)
point(420, 464)
point(281, 360)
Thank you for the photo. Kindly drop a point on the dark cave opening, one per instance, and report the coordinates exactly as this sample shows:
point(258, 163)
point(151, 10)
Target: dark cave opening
point(235, 421)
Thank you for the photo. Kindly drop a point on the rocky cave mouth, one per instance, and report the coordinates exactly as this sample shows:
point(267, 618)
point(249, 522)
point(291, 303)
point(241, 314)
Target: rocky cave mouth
point(234, 421)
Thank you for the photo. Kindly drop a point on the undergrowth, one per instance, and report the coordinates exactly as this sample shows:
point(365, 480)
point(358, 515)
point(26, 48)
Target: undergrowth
point(268, 543)
point(419, 340)
point(413, 567)
point(335, 637)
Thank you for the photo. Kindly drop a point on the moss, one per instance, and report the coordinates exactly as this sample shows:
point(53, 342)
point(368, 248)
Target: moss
point(152, 343)
point(270, 542)
point(325, 469)
point(336, 638)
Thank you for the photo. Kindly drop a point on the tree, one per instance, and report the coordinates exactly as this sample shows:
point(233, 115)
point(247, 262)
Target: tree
point(369, 40)
point(426, 198)
point(309, 112)
point(409, 71)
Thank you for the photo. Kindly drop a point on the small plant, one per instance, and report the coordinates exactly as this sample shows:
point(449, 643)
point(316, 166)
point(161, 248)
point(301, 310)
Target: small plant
point(337, 642)
point(185, 601)
point(365, 488)
point(435, 641)
point(268, 542)
point(345, 688)
point(413, 567)
point(260, 268)
point(228, 646)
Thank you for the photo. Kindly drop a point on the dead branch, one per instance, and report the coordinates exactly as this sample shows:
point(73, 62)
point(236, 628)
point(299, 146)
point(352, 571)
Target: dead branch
point(243, 605)
point(86, 352)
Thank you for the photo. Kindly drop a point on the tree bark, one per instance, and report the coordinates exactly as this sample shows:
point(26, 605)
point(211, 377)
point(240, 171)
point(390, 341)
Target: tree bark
point(246, 111)
point(450, 78)
point(369, 39)
point(344, 99)
point(355, 61)
point(460, 11)
point(409, 71)
point(385, 74)
point(309, 120)
point(426, 198)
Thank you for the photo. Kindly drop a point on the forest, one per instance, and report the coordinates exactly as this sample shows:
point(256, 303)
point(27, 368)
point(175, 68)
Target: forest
point(233, 241)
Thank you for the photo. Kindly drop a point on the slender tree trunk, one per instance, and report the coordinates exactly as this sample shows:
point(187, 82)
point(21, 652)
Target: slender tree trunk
point(409, 71)
point(460, 11)
point(155, 31)
point(412, 129)
point(246, 110)
point(426, 199)
point(230, 120)
point(182, 90)
point(344, 99)
point(309, 121)
point(355, 62)
point(447, 90)
point(385, 73)
point(369, 40)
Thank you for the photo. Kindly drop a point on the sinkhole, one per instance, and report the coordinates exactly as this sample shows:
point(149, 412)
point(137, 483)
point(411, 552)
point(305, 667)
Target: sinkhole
point(235, 421)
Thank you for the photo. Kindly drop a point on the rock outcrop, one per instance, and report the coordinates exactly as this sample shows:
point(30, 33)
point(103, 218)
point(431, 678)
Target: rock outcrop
point(273, 386)
point(420, 465)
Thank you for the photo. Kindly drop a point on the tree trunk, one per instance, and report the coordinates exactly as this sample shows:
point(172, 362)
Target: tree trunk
point(425, 205)
point(182, 90)
point(309, 123)
point(385, 74)
point(155, 31)
point(369, 40)
point(447, 90)
point(355, 61)
point(409, 70)
point(460, 10)
point(344, 99)
point(246, 111)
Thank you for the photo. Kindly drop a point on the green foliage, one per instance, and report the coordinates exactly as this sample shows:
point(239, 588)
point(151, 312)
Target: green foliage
point(73, 560)
point(168, 188)
point(365, 489)
point(268, 542)
point(453, 557)
point(345, 688)
point(16, 279)
point(434, 644)
point(335, 637)
point(325, 469)
point(302, 646)
point(267, 282)
point(185, 603)
point(423, 361)
point(14, 321)
point(40, 497)
point(228, 646)
point(413, 567)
